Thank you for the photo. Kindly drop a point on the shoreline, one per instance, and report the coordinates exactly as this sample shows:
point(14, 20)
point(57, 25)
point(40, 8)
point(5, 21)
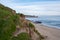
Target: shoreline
point(50, 32)
point(48, 25)
point(51, 26)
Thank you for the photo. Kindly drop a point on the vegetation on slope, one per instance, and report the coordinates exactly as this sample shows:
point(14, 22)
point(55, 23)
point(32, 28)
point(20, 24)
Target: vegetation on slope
point(31, 25)
point(40, 36)
point(8, 22)
point(22, 36)
point(7, 27)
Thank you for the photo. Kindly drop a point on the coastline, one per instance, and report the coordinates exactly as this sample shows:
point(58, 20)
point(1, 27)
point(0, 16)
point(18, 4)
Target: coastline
point(50, 32)
point(56, 27)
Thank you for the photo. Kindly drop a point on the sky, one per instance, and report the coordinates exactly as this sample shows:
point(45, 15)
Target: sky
point(34, 7)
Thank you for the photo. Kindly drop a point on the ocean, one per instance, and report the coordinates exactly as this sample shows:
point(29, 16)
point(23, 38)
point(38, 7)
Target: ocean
point(51, 21)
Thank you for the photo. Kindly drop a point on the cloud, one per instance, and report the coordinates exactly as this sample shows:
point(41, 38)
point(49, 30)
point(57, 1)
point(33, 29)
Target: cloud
point(35, 8)
point(41, 9)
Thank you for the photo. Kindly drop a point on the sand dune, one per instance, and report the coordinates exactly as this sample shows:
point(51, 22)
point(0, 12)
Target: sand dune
point(51, 33)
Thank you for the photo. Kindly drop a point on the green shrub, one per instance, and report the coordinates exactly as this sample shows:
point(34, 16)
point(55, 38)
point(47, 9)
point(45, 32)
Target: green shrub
point(31, 25)
point(22, 36)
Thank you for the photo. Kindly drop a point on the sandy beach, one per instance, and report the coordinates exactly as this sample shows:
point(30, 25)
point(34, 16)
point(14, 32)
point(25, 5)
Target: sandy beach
point(51, 33)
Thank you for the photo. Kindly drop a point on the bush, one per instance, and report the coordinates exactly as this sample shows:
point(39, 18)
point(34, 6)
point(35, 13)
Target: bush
point(22, 36)
point(31, 25)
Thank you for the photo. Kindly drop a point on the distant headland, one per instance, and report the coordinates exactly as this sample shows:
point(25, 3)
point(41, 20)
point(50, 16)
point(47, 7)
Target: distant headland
point(31, 16)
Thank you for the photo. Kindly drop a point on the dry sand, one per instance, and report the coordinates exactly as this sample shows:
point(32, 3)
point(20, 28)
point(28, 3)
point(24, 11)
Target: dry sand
point(51, 33)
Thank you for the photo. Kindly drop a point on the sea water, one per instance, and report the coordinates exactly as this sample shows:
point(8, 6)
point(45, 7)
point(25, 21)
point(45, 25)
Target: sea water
point(52, 21)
